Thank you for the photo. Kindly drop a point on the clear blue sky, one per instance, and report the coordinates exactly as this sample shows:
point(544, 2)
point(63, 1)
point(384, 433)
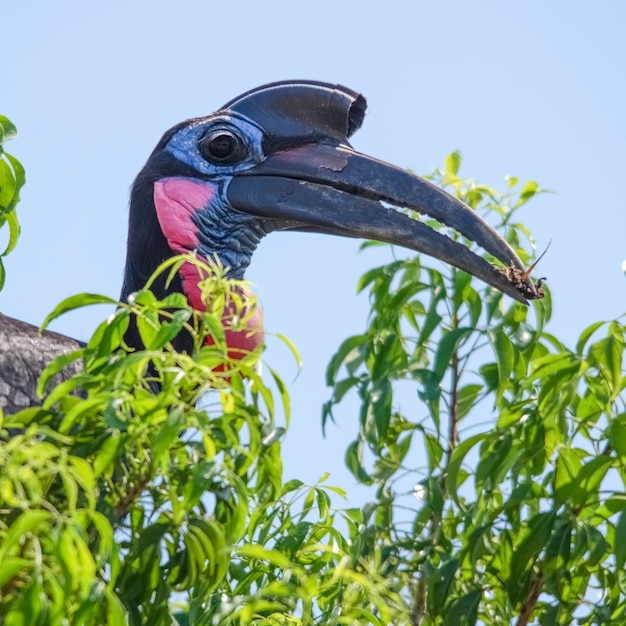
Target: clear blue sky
point(534, 89)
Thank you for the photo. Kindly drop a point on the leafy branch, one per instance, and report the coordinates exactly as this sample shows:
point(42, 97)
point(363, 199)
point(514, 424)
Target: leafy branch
point(497, 491)
point(12, 179)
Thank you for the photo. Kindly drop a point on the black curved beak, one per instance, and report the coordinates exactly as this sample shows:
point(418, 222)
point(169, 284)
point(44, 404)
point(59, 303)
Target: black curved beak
point(333, 189)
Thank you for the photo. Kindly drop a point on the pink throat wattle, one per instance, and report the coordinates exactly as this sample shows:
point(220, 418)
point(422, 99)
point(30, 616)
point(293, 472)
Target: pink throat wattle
point(176, 201)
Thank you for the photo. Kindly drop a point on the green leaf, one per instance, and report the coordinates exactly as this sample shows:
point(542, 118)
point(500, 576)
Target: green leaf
point(511, 181)
point(174, 300)
point(8, 130)
point(323, 502)
point(151, 535)
point(597, 545)
point(614, 353)
point(461, 281)
point(529, 189)
point(270, 556)
point(489, 373)
point(109, 336)
point(431, 321)
point(434, 450)
point(214, 556)
point(7, 186)
point(54, 367)
point(9, 568)
point(537, 535)
point(617, 434)
point(505, 354)
point(354, 514)
point(169, 329)
point(449, 343)
point(76, 302)
point(18, 171)
point(456, 460)
point(464, 610)
point(14, 232)
point(466, 399)
point(452, 162)
point(341, 387)
point(589, 479)
point(115, 610)
point(354, 462)
point(25, 523)
point(61, 392)
point(70, 491)
point(292, 485)
point(379, 407)
point(148, 326)
point(568, 466)
point(216, 331)
point(619, 543)
point(430, 393)
point(496, 457)
point(31, 603)
point(292, 349)
point(564, 363)
point(585, 336)
point(381, 276)
point(19, 177)
point(440, 583)
point(144, 298)
point(90, 406)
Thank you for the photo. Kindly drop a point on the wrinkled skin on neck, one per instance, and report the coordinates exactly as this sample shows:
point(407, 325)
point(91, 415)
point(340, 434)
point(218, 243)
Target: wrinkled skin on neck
point(183, 208)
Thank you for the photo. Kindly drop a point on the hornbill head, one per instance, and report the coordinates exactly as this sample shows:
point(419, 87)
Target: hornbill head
point(278, 158)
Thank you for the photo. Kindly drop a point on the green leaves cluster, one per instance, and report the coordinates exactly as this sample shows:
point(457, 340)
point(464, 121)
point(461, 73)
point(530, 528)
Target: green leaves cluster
point(114, 497)
point(147, 488)
point(12, 178)
point(500, 482)
point(302, 563)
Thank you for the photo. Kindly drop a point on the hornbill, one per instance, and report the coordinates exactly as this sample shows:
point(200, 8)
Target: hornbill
point(276, 158)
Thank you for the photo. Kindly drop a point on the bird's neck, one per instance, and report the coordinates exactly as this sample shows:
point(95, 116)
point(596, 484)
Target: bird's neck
point(193, 216)
point(170, 216)
point(240, 306)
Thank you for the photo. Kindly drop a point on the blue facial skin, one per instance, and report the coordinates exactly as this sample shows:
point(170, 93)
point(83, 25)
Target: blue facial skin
point(223, 230)
point(183, 145)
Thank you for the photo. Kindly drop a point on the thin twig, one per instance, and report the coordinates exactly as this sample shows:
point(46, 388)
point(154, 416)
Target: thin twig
point(123, 506)
point(453, 432)
point(418, 609)
point(530, 602)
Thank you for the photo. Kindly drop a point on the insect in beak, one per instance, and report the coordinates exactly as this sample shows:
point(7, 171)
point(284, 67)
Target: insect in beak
point(518, 278)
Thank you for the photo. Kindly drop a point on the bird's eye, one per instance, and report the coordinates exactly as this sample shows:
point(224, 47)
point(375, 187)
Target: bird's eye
point(222, 147)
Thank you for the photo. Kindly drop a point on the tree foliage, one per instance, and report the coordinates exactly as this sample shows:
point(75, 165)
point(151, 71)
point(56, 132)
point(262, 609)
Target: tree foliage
point(511, 451)
point(12, 179)
point(148, 488)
